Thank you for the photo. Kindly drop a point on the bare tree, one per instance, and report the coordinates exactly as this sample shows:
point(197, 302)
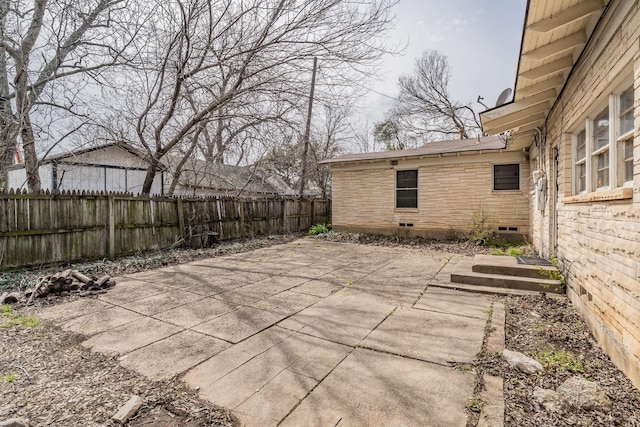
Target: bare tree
point(425, 107)
point(329, 141)
point(43, 42)
point(245, 49)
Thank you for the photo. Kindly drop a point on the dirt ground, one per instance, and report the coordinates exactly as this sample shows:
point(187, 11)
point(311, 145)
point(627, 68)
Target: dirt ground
point(47, 377)
point(549, 329)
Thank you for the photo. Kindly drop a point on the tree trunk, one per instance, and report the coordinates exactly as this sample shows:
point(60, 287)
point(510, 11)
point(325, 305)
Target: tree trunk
point(30, 156)
point(8, 140)
point(151, 173)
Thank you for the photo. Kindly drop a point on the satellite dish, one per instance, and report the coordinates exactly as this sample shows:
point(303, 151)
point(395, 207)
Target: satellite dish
point(504, 95)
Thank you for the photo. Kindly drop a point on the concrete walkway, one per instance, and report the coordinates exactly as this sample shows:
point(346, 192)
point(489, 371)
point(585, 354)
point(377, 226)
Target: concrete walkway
point(309, 333)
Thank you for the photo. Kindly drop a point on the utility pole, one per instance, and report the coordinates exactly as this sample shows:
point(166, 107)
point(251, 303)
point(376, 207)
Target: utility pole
point(307, 131)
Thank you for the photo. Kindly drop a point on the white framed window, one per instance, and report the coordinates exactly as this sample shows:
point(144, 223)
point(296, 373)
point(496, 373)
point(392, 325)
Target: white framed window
point(603, 147)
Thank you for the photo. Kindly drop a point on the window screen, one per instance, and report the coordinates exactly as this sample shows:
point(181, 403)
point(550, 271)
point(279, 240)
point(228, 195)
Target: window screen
point(407, 189)
point(506, 177)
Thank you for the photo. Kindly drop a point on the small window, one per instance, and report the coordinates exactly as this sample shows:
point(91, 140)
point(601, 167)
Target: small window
point(506, 177)
point(407, 189)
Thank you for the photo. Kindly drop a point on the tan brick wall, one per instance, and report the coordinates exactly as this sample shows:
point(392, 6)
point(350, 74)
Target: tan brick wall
point(599, 242)
point(450, 190)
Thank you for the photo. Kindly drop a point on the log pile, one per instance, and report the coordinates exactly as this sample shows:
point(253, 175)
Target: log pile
point(68, 282)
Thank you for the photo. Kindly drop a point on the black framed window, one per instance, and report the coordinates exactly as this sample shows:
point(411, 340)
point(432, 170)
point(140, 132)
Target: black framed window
point(506, 177)
point(407, 189)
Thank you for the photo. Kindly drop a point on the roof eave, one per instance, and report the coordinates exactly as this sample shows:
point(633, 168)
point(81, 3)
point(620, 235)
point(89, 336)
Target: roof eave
point(539, 87)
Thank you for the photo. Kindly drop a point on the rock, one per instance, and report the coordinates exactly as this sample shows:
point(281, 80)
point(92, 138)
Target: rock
point(583, 394)
point(551, 400)
point(3, 296)
point(14, 422)
point(520, 361)
point(128, 410)
point(11, 298)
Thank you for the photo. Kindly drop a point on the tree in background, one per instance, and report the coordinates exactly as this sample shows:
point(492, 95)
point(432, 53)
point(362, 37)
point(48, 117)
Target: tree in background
point(48, 52)
point(425, 110)
point(204, 60)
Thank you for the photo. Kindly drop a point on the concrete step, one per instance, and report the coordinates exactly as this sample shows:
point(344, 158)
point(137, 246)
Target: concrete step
point(508, 266)
point(489, 290)
point(506, 281)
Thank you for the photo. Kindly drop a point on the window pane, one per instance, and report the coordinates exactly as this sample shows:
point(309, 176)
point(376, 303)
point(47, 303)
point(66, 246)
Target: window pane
point(581, 172)
point(628, 160)
point(581, 145)
point(407, 198)
point(602, 172)
point(506, 177)
point(407, 179)
point(601, 130)
point(626, 111)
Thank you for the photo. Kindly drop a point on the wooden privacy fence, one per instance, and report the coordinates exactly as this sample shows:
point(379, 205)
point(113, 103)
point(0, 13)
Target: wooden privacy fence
point(45, 229)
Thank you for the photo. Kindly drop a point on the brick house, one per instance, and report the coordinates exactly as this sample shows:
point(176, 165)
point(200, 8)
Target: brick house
point(576, 110)
point(426, 191)
point(574, 129)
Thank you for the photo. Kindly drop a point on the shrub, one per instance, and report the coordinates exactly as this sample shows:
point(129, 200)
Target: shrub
point(319, 229)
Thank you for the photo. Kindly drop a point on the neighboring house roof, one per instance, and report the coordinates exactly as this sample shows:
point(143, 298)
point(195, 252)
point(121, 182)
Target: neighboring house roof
point(68, 157)
point(553, 40)
point(471, 145)
point(229, 178)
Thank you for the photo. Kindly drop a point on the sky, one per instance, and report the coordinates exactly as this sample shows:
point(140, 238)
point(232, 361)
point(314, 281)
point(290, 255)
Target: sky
point(481, 38)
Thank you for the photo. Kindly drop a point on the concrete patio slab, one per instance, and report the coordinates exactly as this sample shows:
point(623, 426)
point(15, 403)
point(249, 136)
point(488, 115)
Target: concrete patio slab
point(376, 389)
point(215, 286)
point(317, 288)
point(195, 313)
point(241, 383)
point(239, 324)
point(131, 336)
point(161, 302)
point(286, 303)
point(248, 293)
point(73, 309)
point(275, 399)
point(344, 317)
point(221, 364)
point(132, 290)
point(343, 277)
point(306, 333)
point(101, 321)
point(429, 336)
point(173, 355)
point(454, 302)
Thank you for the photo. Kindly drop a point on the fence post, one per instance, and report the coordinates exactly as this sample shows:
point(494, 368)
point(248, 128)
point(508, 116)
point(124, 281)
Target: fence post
point(111, 222)
point(180, 209)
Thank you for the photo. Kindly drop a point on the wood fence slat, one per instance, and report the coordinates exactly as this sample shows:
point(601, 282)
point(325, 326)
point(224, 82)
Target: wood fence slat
point(47, 229)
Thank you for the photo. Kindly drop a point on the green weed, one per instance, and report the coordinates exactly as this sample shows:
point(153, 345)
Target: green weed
point(555, 274)
point(476, 404)
point(11, 318)
point(319, 229)
point(562, 359)
point(8, 378)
